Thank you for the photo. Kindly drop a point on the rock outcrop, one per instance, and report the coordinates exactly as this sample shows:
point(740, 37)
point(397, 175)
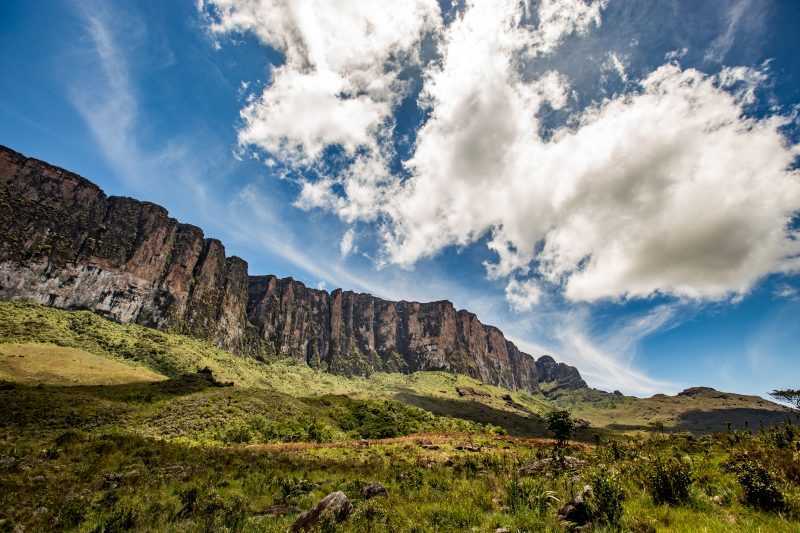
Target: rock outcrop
point(66, 244)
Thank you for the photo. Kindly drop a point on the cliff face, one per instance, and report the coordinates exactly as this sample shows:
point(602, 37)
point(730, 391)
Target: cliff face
point(66, 244)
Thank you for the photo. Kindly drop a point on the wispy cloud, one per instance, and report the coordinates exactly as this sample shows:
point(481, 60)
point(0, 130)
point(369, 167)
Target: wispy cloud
point(724, 42)
point(606, 360)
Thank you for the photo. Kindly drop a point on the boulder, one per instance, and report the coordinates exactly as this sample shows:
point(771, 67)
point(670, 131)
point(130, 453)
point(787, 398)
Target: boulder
point(335, 507)
point(372, 490)
point(577, 511)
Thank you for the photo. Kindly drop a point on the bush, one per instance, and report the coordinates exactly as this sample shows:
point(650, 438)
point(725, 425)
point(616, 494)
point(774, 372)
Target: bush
point(605, 504)
point(238, 433)
point(294, 430)
point(669, 481)
point(760, 486)
point(529, 493)
point(292, 487)
point(561, 424)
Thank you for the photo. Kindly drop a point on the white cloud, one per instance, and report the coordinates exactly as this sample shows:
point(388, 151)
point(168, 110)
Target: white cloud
point(787, 292)
point(605, 360)
point(724, 42)
point(346, 245)
point(613, 62)
point(340, 80)
point(523, 295)
point(668, 189)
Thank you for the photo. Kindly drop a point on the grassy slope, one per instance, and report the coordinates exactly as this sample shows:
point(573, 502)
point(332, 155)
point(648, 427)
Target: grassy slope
point(45, 363)
point(702, 411)
point(182, 454)
point(173, 355)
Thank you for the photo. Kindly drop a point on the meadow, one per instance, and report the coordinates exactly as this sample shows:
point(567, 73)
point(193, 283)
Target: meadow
point(107, 427)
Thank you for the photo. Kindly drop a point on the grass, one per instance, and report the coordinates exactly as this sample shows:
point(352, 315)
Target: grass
point(58, 365)
point(143, 441)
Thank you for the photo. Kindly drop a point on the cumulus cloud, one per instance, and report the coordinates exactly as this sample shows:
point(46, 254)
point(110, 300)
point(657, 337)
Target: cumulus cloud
point(670, 188)
point(523, 295)
point(339, 82)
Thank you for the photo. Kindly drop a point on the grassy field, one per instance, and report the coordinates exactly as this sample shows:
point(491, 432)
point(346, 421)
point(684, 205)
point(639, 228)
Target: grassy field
point(107, 427)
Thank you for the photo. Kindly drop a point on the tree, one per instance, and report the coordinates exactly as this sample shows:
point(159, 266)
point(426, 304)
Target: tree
point(561, 424)
point(791, 396)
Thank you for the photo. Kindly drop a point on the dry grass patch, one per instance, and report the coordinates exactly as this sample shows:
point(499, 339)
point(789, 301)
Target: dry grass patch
point(33, 363)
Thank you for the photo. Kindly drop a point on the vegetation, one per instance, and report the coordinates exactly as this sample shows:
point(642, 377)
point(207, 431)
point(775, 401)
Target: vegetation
point(99, 435)
point(561, 425)
point(790, 396)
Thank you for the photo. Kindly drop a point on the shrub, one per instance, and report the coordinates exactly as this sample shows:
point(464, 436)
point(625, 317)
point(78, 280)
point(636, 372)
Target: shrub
point(529, 493)
point(669, 481)
point(291, 487)
point(238, 433)
point(561, 424)
point(760, 486)
point(605, 505)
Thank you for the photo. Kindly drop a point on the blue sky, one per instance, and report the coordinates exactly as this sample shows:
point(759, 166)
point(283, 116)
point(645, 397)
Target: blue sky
point(610, 182)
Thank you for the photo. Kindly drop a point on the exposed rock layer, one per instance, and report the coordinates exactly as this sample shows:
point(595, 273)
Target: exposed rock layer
point(66, 244)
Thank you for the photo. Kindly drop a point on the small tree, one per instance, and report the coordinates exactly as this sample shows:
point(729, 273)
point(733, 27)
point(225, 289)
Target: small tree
point(790, 396)
point(561, 424)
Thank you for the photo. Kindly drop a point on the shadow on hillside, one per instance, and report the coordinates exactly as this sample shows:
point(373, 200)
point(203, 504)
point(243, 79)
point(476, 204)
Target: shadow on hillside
point(716, 420)
point(88, 406)
point(514, 424)
point(632, 427)
point(697, 421)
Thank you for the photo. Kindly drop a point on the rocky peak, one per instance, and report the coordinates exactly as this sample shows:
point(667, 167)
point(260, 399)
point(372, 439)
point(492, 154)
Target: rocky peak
point(66, 244)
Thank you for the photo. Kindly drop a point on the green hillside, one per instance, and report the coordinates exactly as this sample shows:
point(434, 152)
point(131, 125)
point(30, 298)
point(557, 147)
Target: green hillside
point(108, 427)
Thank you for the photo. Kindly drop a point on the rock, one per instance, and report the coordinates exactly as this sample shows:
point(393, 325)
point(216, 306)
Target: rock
point(468, 447)
point(471, 391)
point(502, 530)
point(577, 511)
point(372, 490)
point(335, 506)
point(68, 245)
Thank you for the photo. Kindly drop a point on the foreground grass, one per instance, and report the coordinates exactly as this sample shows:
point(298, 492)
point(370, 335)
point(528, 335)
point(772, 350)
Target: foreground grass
point(109, 479)
point(107, 427)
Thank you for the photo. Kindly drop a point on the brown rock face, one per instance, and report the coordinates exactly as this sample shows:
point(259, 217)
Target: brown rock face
point(66, 244)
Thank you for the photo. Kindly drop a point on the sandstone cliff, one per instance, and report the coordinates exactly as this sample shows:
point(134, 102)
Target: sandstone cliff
point(66, 244)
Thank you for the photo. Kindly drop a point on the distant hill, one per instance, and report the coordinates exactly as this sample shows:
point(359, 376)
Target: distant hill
point(73, 350)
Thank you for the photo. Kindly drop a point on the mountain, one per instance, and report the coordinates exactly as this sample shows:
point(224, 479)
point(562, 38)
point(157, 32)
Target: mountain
point(68, 245)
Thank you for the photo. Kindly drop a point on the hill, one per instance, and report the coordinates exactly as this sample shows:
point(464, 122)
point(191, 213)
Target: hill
point(112, 427)
point(82, 348)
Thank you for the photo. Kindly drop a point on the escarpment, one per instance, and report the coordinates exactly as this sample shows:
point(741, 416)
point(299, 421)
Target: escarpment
point(66, 244)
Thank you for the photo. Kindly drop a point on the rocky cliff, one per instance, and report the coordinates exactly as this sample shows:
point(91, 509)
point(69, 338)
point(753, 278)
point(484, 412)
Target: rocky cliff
point(66, 244)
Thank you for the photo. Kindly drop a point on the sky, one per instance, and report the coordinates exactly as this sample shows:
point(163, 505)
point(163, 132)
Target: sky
point(614, 183)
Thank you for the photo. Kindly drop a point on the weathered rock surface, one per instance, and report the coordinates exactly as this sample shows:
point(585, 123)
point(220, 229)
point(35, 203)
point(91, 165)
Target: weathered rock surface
point(577, 511)
point(373, 490)
point(66, 244)
point(335, 507)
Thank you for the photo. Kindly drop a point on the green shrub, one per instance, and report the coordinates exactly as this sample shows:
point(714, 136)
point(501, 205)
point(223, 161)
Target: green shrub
point(292, 487)
point(529, 493)
point(759, 486)
point(605, 505)
point(238, 433)
point(561, 424)
point(669, 481)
